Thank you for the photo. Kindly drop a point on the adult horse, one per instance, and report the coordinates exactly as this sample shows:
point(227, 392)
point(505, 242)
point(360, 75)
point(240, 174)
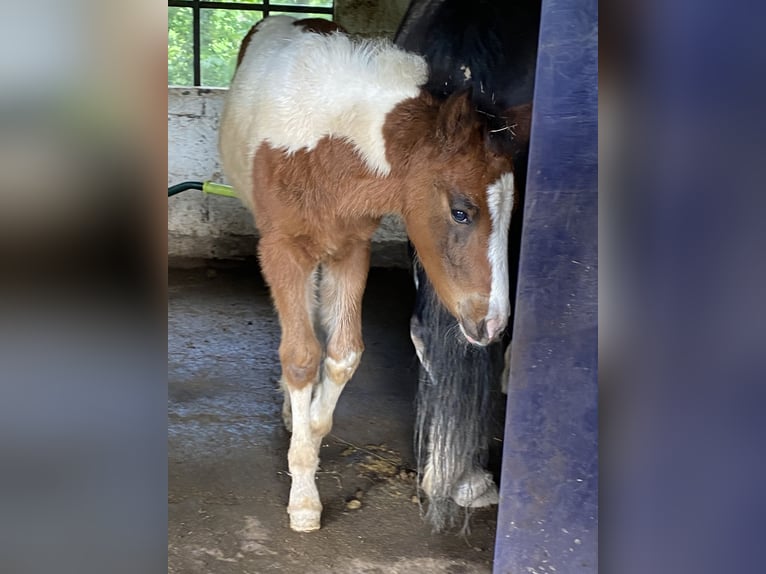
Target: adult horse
point(490, 49)
point(322, 135)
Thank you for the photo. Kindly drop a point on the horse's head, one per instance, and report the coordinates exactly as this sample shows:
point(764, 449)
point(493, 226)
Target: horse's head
point(457, 210)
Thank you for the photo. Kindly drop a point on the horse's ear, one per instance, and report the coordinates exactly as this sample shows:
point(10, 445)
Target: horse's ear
point(519, 121)
point(510, 133)
point(457, 117)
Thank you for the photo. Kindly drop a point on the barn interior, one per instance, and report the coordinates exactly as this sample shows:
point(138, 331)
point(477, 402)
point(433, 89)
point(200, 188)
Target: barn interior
point(228, 480)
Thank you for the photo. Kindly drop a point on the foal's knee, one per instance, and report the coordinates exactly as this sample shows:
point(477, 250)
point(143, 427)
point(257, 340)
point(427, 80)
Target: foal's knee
point(300, 363)
point(340, 367)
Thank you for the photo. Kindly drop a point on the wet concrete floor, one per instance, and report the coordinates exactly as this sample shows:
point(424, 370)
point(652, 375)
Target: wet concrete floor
point(227, 471)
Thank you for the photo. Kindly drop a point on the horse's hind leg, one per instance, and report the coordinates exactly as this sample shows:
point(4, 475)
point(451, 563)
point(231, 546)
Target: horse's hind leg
point(341, 290)
point(290, 275)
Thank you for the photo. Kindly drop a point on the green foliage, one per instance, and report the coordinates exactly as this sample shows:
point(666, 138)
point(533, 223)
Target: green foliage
point(180, 51)
point(221, 34)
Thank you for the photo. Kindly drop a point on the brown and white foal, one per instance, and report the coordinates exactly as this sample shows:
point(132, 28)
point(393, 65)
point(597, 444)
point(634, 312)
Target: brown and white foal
point(322, 135)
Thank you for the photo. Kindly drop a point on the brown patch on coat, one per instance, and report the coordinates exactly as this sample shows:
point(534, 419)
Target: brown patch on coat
point(246, 42)
point(325, 202)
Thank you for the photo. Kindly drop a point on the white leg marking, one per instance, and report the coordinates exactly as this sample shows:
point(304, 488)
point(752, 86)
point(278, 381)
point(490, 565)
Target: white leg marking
point(500, 199)
point(287, 413)
point(304, 508)
point(336, 375)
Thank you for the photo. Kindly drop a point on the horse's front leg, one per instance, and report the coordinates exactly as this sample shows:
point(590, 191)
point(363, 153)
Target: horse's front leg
point(290, 276)
point(341, 291)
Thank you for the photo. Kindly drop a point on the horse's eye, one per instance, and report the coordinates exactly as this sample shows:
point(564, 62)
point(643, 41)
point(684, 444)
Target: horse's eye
point(459, 216)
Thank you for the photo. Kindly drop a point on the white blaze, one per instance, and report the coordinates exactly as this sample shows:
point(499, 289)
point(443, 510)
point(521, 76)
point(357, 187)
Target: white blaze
point(500, 201)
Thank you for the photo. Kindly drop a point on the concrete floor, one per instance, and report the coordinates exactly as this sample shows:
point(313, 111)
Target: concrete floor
point(228, 482)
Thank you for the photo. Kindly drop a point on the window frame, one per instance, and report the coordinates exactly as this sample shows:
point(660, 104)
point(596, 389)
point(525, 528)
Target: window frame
point(264, 7)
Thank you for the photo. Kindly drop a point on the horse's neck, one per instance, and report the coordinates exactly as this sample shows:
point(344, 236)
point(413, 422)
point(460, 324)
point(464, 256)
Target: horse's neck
point(373, 197)
point(406, 132)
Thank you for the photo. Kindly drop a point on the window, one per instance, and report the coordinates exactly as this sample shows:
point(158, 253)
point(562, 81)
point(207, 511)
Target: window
point(204, 37)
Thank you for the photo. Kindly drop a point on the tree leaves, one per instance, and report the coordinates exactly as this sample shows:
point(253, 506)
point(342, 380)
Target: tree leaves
point(221, 33)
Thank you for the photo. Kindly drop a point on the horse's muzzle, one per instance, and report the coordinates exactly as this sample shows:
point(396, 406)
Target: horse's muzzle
point(484, 332)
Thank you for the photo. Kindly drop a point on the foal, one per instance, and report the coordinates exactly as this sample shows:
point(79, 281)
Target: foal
point(322, 135)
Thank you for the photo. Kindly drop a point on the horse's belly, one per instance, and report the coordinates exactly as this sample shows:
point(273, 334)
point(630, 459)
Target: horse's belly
point(324, 188)
point(332, 240)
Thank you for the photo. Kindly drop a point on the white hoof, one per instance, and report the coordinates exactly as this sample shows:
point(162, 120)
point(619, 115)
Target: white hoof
point(305, 520)
point(476, 489)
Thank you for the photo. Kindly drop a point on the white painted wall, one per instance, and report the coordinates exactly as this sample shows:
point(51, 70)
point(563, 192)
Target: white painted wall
point(200, 225)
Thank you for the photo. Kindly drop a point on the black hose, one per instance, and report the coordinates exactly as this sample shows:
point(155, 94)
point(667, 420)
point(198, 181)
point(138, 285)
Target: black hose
point(179, 187)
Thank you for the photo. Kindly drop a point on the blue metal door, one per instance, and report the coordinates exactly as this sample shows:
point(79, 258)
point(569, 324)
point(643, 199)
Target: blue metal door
point(548, 519)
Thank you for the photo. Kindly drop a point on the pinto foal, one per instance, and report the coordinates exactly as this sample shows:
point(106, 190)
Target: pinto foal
point(322, 135)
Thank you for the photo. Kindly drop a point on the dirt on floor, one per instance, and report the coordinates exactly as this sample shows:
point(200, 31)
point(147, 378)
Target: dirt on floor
point(227, 471)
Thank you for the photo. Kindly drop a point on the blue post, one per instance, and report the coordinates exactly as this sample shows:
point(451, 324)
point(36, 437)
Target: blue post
point(548, 516)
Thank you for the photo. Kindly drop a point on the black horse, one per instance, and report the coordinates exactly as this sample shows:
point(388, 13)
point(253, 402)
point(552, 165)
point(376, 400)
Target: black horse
point(488, 47)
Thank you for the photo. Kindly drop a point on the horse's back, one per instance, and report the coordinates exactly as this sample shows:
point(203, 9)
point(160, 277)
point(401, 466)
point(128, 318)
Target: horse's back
point(298, 84)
